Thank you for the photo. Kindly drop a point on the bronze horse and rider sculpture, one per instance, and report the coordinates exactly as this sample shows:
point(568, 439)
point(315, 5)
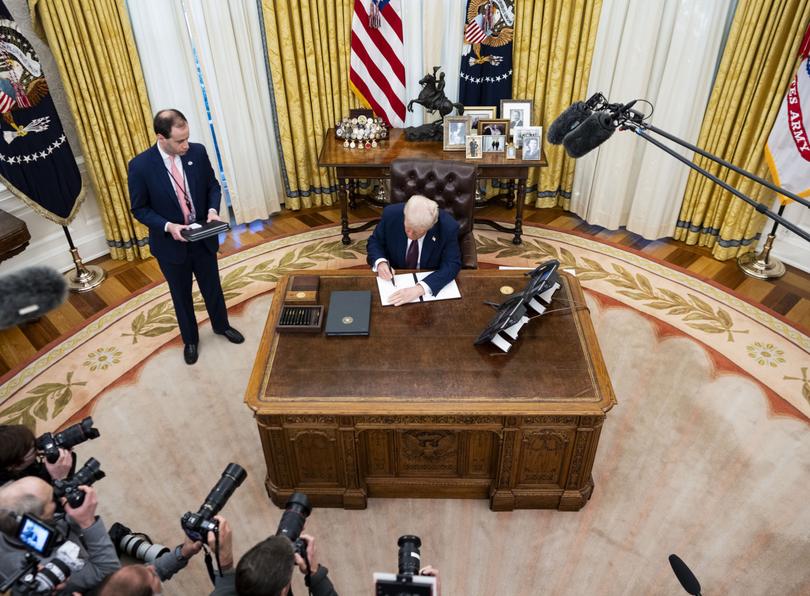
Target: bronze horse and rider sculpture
point(433, 99)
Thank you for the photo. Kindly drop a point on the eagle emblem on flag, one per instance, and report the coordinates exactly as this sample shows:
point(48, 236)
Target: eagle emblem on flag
point(489, 23)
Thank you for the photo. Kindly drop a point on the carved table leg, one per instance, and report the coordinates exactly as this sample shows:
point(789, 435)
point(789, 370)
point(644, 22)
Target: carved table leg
point(521, 198)
point(510, 201)
point(343, 191)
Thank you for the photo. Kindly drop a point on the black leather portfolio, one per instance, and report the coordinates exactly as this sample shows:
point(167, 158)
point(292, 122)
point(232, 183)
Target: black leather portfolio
point(348, 313)
point(205, 230)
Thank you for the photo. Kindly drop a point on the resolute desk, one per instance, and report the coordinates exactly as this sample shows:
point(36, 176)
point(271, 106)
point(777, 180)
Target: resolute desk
point(416, 410)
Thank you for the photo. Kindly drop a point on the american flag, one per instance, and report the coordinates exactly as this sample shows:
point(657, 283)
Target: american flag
point(377, 72)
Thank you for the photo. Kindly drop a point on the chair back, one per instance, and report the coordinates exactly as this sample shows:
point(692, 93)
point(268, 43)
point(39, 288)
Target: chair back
point(451, 184)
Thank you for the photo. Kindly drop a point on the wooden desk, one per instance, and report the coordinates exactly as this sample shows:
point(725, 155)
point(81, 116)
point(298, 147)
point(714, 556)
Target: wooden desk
point(416, 410)
point(14, 235)
point(352, 165)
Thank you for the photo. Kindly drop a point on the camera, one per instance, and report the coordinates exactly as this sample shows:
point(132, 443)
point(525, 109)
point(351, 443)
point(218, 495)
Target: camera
point(407, 581)
point(296, 512)
point(69, 488)
point(138, 546)
point(197, 525)
point(48, 444)
point(42, 575)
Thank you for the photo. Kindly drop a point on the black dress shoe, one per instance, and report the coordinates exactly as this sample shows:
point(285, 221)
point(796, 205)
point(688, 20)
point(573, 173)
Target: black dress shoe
point(233, 335)
point(190, 353)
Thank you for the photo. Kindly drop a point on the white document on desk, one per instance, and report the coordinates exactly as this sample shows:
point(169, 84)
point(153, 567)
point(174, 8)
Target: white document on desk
point(409, 280)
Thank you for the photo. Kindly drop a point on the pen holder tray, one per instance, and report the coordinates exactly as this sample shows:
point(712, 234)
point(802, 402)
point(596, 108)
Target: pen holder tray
point(295, 318)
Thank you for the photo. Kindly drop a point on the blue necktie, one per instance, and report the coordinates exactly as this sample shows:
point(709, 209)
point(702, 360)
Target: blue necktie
point(412, 256)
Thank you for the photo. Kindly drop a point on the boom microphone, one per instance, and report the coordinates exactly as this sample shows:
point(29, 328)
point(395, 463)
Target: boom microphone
point(685, 575)
point(571, 117)
point(595, 130)
point(29, 293)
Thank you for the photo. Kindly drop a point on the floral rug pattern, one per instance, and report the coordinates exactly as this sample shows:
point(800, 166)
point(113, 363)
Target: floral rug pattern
point(62, 381)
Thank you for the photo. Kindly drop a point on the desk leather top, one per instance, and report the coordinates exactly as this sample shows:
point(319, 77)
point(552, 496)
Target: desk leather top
point(422, 355)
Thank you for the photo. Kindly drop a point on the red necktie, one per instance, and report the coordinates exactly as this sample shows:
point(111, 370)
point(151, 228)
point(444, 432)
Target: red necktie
point(412, 256)
point(180, 191)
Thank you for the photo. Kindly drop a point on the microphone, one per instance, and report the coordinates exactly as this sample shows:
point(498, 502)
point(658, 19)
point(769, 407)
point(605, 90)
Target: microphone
point(570, 118)
point(29, 293)
point(685, 575)
point(595, 130)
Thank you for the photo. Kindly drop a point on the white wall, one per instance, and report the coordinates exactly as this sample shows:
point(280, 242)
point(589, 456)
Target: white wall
point(48, 245)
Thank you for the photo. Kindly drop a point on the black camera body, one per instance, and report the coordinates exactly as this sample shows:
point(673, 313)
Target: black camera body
point(48, 444)
point(296, 512)
point(69, 488)
point(197, 525)
point(407, 581)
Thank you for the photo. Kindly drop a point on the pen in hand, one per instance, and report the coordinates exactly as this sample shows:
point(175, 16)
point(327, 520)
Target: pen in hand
point(393, 276)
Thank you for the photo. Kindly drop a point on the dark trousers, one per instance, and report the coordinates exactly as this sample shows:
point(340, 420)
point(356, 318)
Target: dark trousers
point(203, 264)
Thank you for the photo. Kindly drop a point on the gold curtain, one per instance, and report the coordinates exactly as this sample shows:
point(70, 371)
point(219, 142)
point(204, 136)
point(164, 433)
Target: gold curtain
point(95, 52)
point(308, 55)
point(759, 59)
point(551, 62)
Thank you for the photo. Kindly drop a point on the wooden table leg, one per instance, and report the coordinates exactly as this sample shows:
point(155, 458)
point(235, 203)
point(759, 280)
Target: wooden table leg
point(511, 200)
point(521, 198)
point(343, 191)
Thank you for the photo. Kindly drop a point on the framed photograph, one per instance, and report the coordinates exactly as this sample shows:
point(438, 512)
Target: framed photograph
point(473, 146)
point(456, 129)
point(517, 111)
point(476, 113)
point(520, 131)
point(511, 152)
point(494, 143)
point(493, 126)
point(531, 147)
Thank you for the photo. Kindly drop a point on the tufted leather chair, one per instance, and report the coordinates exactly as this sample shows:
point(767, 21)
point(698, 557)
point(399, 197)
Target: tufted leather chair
point(451, 184)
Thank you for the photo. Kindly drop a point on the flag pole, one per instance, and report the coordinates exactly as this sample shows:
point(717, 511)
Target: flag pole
point(763, 266)
point(85, 277)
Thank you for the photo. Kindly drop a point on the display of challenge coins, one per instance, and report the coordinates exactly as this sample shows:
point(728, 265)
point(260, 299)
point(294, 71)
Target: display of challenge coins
point(361, 132)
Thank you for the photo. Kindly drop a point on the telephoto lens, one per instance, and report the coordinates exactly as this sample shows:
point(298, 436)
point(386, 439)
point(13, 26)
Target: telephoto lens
point(409, 557)
point(296, 512)
point(48, 444)
point(197, 525)
point(87, 475)
point(136, 545)
point(54, 571)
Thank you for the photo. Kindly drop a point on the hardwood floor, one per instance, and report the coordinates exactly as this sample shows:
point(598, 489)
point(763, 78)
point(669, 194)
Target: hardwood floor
point(789, 296)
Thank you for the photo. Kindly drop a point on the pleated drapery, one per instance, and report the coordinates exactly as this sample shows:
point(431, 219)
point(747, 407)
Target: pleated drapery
point(759, 59)
point(94, 50)
point(551, 59)
point(308, 54)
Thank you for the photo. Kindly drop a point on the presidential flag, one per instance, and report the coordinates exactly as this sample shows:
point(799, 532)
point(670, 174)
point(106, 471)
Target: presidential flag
point(377, 70)
point(36, 162)
point(486, 58)
point(788, 149)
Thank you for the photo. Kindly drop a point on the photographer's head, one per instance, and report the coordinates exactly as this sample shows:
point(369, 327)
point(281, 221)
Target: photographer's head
point(132, 580)
point(30, 495)
point(17, 450)
point(266, 569)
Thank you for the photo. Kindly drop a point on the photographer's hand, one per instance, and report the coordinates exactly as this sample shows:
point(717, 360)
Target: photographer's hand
point(433, 572)
point(190, 547)
point(60, 469)
point(225, 543)
point(84, 514)
point(311, 555)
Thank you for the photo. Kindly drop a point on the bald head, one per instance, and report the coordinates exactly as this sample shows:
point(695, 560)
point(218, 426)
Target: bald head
point(28, 495)
point(132, 580)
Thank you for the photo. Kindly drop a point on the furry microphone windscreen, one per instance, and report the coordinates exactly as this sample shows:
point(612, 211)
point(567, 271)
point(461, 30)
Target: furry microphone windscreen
point(29, 293)
point(571, 117)
point(595, 130)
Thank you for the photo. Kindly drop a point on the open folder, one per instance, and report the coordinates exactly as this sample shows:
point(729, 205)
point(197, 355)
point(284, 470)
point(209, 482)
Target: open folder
point(408, 280)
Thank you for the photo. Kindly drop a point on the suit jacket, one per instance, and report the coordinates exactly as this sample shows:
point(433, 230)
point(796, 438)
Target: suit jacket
point(154, 201)
point(440, 249)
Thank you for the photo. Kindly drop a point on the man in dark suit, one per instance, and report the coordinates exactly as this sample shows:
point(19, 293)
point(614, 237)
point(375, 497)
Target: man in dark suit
point(416, 235)
point(171, 186)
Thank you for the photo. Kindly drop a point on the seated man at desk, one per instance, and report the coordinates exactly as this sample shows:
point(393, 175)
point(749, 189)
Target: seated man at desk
point(415, 235)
